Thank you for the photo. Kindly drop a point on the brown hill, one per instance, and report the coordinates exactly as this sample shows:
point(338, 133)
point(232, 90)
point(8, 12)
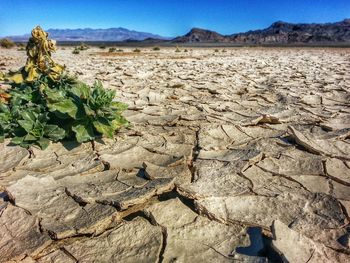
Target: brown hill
point(278, 33)
point(197, 35)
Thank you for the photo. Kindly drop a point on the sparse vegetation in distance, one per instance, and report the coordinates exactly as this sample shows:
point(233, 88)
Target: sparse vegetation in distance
point(119, 50)
point(102, 47)
point(136, 50)
point(216, 50)
point(185, 50)
point(111, 49)
point(76, 51)
point(83, 47)
point(7, 43)
point(177, 49)
point(156, 48)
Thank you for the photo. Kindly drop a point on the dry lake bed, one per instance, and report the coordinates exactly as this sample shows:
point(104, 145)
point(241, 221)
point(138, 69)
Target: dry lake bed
point(239, 155)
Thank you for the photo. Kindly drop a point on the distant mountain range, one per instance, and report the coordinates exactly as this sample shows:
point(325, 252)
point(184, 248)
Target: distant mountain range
point(278, 33)
point(89, 34)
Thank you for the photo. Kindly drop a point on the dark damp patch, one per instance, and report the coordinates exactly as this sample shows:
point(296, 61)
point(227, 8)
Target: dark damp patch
point(260, 246)
point(256, 243)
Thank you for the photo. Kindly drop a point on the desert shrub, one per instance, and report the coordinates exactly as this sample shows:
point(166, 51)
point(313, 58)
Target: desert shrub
point(21, 49)
point(156, 48)
point(216, 50)
point(102, 47)
point(44, 104)
point(177, 49)
point(185, 50)
point(224, 51)
point(119, 50)
point(136, 50)
point(111, 49)
point(83, 47)
point(76, 51)
point(7, 43)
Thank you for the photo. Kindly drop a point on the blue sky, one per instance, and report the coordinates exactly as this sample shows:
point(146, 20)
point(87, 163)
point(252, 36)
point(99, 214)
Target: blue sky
point(165, 17)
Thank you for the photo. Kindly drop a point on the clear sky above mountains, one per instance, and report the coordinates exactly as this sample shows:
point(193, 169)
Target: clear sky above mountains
point(165, 17)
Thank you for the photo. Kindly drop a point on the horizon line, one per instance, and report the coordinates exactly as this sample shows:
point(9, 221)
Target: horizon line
point(189, 30)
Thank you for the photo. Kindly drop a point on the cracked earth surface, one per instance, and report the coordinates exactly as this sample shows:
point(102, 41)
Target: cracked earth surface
point(219, 143)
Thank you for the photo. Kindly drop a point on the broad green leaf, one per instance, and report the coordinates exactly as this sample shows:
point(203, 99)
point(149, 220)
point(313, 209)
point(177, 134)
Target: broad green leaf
point(17, 140)
point(26, 124)
point(83, 132)
point(103, 126)
point(30, 137)
point(81, 90)
point(43, 143)
point(119, 122)
point(29, 116)
point(54, 132)
point(64, 106)
point(54, 94)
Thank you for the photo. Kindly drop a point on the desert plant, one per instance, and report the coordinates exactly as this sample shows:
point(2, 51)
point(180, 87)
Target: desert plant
point(185, 50)
point(177, 49)
point(119, 50)
point(136, 50)
point(44, 104)
point(216, 50)
point(83, 47)
point(102, 47)
point(156, 48)
point(111, 49)
point(7, 43)
point(76, 51)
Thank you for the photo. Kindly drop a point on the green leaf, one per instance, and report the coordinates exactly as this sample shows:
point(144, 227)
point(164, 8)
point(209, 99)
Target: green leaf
point(88, 110)
point(43, 143)
point(17, 140)
point(119, 105)
point(119, 122)
point(64, 106)
point(103, 126)
point(26, 124)
point(54, 132)
point(54, 95)
point(81, 90)
point(30, 137)
point(83, 132)
point(29, 116)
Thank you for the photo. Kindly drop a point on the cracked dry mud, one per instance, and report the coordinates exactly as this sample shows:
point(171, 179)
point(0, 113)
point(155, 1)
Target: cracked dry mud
point(219, 144)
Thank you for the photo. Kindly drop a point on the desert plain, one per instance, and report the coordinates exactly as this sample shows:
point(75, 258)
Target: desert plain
point(232, 155)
